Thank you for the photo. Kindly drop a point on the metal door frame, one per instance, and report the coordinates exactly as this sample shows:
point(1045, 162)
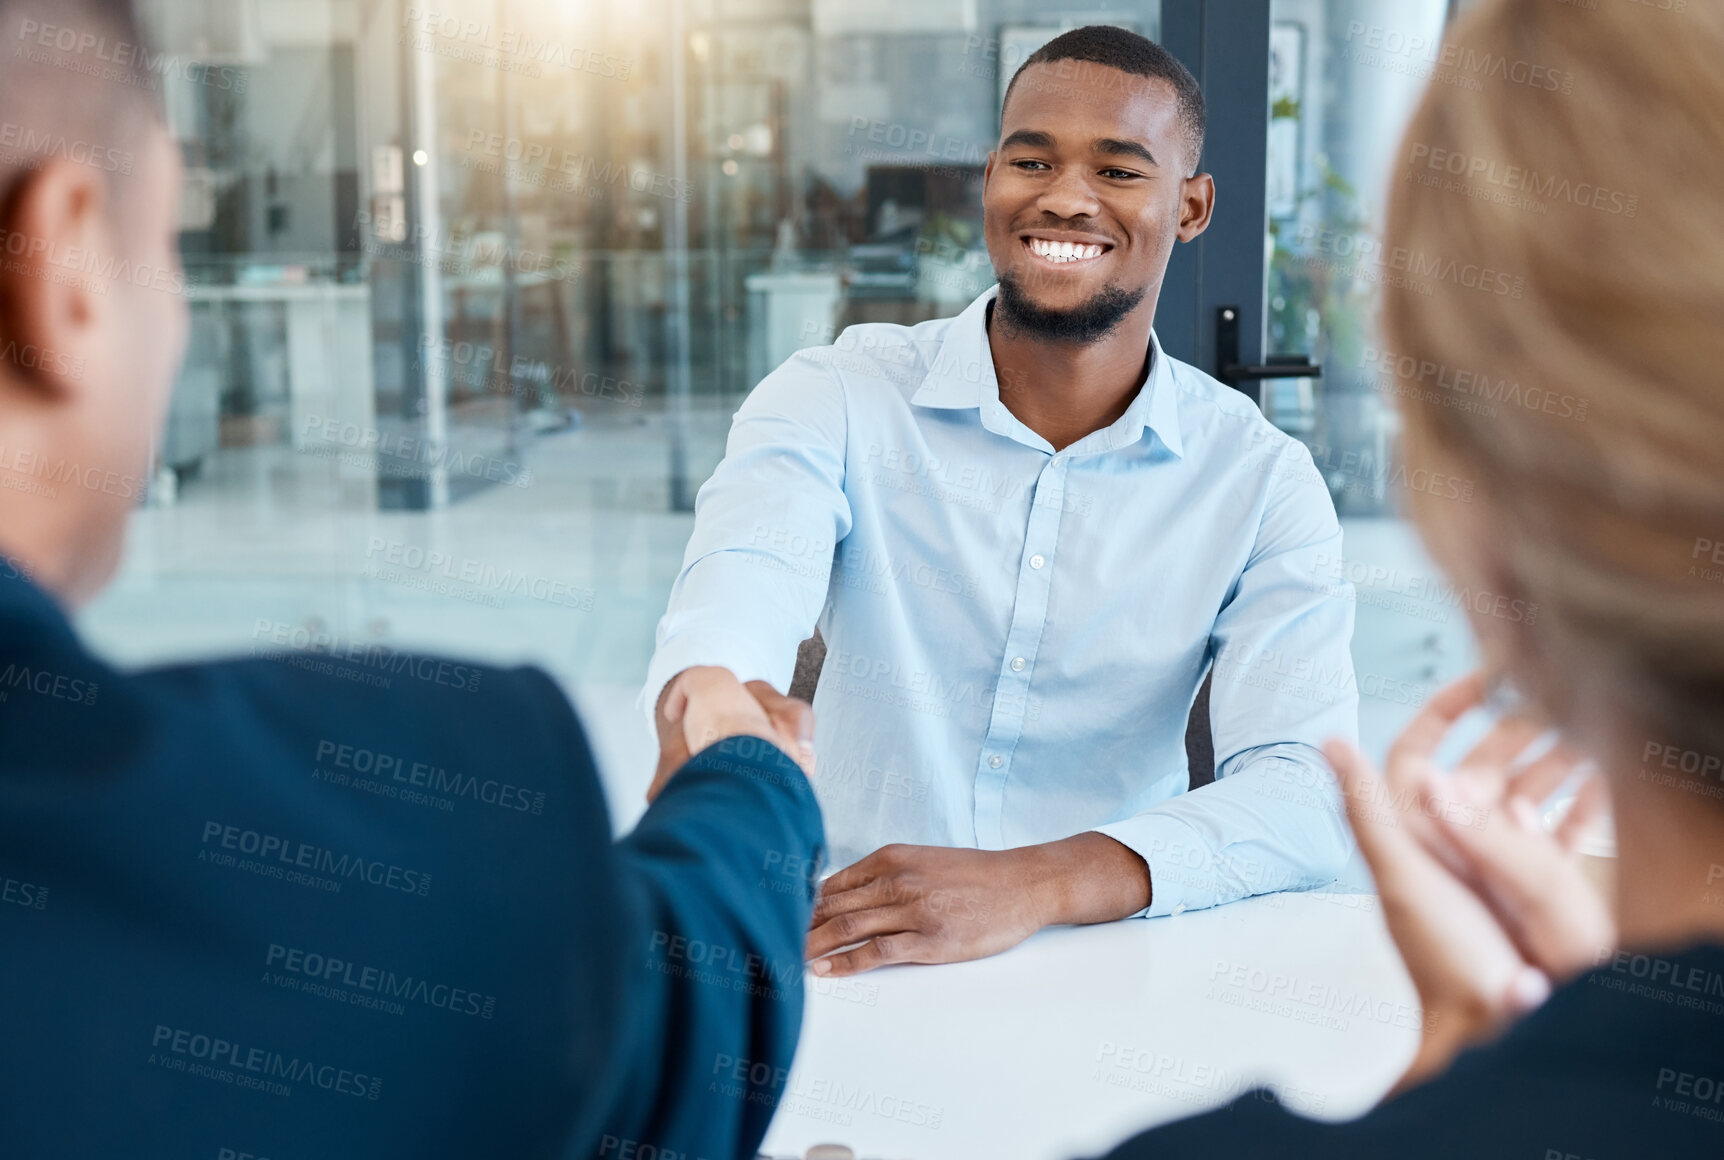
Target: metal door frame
point(1225, 43)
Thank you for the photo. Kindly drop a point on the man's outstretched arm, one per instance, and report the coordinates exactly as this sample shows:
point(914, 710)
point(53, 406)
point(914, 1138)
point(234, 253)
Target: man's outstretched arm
point(755, 573)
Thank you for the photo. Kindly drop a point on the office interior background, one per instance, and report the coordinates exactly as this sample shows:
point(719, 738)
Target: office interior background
point(476, 286)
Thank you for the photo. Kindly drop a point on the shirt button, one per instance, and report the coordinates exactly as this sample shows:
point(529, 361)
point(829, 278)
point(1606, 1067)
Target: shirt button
point(1178, 909)
point(1018, 664)
point(996, 761)
point(1037, 560)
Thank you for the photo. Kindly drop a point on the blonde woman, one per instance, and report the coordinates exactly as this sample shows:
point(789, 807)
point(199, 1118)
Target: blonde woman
point(1559, 1028)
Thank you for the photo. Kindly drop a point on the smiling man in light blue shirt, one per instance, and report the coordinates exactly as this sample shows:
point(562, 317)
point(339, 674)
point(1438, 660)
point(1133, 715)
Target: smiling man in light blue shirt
point(1025, 534)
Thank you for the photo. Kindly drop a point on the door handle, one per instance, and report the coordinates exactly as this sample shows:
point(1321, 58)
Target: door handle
point(1245, 377)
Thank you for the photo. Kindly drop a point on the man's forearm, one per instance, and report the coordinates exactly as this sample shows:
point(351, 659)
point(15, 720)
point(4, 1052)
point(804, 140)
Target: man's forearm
point(1087, 878)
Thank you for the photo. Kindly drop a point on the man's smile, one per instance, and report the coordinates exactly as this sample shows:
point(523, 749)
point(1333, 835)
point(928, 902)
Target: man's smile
point(1073, 251)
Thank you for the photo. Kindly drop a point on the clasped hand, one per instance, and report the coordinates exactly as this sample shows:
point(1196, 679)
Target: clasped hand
point(902, 903)
point(707, 704)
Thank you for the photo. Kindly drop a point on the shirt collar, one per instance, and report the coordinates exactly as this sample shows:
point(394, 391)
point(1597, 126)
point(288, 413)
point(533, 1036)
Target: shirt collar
point(961, 376)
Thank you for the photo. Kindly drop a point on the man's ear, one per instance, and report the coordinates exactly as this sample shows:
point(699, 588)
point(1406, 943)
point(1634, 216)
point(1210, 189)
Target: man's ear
point(54, 240)
point(1196, 205)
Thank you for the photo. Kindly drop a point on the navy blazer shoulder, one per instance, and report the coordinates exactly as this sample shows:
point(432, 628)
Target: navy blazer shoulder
point(354, 902)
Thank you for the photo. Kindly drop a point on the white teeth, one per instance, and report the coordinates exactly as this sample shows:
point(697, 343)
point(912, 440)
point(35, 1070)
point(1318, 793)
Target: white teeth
point(1064, 251)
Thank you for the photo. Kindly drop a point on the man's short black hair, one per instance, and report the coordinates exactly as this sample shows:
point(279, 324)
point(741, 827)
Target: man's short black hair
point(1137, 56)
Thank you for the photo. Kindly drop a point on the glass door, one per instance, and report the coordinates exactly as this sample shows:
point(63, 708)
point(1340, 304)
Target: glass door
point(1344, 78)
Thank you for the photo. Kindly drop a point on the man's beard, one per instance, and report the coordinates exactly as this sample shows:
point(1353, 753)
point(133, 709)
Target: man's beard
point(1083, 324)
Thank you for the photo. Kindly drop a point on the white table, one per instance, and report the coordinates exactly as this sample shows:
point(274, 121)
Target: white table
point(1080, 1037)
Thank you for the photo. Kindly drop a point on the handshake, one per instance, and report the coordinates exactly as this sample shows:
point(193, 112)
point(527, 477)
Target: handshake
point(706, 704)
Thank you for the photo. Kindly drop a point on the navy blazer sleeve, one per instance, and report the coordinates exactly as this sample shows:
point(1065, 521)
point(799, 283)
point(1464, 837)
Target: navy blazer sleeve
point(311, 906)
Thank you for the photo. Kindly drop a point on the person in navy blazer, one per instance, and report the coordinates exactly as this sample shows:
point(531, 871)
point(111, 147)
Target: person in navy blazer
point(330, 899)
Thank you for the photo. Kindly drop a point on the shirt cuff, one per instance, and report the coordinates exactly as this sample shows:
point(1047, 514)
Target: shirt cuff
point(1178, 861)
point(727, 650)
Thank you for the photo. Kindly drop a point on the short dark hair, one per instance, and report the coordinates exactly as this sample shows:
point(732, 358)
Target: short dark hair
point(1138, 56)
point(78, 71)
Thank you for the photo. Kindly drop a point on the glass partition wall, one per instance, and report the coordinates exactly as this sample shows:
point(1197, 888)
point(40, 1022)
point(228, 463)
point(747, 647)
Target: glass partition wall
point(476, 287)
point(1345, 77)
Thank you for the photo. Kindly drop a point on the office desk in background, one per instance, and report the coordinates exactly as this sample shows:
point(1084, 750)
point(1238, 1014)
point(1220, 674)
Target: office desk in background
point(1082, 1036)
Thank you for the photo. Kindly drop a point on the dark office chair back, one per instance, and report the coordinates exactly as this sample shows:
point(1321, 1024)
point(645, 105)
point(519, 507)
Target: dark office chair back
point(1199, 739)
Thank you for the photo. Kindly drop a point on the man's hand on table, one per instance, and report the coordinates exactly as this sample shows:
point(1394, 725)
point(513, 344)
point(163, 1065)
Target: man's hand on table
point(936, 904)
point(707, 704)
point(1487, 906)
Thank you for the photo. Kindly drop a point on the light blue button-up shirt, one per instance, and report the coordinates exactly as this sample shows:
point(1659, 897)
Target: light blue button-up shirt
point(1015, 635)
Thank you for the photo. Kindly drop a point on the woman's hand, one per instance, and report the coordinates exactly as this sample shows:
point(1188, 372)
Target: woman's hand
point(1487, 907)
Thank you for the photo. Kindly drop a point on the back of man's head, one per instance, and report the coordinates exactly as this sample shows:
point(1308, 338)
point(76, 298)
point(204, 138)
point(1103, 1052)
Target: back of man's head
point(92, 317)
point(1134, 55)
point(75, 70)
